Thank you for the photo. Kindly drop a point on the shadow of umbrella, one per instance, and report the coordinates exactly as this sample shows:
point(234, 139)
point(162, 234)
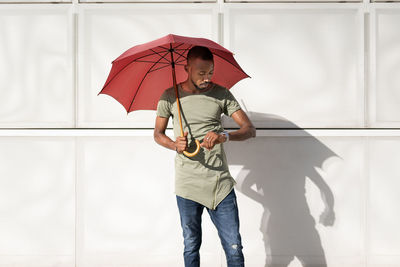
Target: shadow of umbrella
point(277, 168)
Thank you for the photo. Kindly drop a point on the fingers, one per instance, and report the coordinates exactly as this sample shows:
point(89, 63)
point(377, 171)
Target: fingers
point(180, 146)
point(181, 143)
point(210, 140)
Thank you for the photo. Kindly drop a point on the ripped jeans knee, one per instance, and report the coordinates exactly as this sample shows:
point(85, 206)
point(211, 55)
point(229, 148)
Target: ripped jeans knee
point(234, 255)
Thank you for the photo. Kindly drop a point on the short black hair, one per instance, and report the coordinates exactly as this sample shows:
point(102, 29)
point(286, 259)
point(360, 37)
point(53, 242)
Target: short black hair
point(199, 52)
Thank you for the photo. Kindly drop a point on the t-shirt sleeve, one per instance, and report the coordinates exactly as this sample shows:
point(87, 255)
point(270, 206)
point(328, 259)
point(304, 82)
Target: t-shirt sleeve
point(231, 104)
point(164, 106)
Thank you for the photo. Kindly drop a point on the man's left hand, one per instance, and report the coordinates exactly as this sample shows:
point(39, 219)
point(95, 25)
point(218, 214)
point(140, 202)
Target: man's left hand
point(211, 139)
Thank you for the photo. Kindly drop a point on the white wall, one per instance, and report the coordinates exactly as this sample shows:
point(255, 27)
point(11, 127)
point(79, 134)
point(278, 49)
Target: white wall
point(323, 95)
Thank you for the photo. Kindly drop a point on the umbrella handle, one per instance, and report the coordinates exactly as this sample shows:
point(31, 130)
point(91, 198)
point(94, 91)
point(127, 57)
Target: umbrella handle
point(195, 152)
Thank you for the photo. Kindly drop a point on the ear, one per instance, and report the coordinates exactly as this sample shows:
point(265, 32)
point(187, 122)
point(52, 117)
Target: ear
point(186, 68)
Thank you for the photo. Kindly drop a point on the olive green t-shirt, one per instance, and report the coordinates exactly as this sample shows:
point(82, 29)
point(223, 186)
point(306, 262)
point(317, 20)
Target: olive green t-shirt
point(204, 178)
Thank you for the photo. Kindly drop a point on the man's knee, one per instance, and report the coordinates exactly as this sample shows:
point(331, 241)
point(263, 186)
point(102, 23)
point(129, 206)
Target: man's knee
point(234, 249)
point(192, 244)
point(234, 255)
point(192, 237)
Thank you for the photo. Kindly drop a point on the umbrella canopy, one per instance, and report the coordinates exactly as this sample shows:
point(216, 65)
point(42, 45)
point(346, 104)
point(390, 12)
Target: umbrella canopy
point(140, 75)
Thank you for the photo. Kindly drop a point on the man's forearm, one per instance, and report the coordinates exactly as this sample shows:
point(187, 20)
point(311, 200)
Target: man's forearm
point(243, 133)
point(164, 141)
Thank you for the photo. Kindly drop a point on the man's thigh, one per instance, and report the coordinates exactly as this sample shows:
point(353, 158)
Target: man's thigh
point(190, 214)
point(226, 219)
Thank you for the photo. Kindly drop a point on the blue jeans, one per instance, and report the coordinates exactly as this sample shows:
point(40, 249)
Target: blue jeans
point(225, 218)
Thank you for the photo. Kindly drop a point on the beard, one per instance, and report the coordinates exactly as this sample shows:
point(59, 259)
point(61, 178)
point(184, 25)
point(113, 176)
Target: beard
point(199, 88)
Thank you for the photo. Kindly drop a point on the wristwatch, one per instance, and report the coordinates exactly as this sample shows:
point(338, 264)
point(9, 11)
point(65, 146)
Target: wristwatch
point(226, 135)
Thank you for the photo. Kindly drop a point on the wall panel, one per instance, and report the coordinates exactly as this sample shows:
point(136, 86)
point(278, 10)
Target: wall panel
point(37, 201)
point(33, 1)
point(385, 93)
point(36, 68)
point(305, 63)
point(147, 1)
point(281, 179)
point(384, 177)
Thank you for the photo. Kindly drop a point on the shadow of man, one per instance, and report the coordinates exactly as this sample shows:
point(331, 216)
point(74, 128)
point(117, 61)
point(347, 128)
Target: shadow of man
point(274, 174)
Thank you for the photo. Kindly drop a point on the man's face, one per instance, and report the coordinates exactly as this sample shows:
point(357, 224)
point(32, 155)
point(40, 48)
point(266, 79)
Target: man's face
point(200, 72)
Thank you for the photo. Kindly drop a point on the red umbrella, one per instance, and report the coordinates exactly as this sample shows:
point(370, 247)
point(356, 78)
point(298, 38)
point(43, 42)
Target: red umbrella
point(140, 75)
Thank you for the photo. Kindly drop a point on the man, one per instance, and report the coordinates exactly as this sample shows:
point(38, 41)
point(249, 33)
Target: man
point(204, 180)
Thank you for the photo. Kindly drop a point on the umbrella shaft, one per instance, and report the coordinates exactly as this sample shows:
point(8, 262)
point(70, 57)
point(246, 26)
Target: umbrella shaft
point(176, 91)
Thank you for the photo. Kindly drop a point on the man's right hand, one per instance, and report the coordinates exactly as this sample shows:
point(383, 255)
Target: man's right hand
point(181, 143)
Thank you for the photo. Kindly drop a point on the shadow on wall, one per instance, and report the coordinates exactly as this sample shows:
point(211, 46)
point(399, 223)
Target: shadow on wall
point(274, 174)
